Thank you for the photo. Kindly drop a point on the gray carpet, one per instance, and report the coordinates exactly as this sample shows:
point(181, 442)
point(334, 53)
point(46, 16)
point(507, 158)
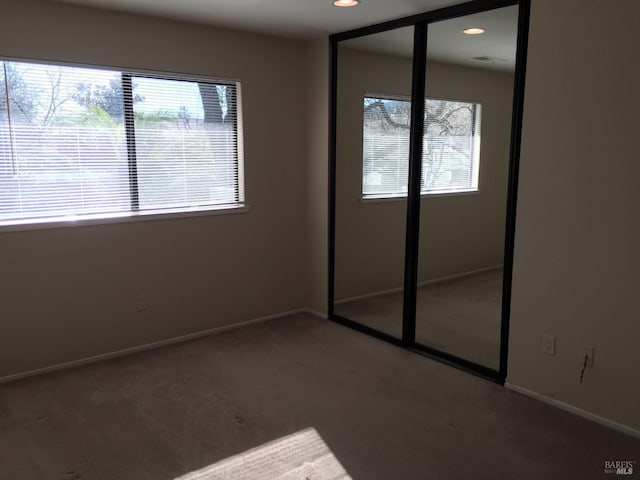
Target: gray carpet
point(291, 398)
point(460, 316)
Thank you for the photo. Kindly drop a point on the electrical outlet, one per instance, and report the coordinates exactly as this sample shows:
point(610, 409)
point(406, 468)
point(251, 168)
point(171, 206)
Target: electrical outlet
point(549, 344)
point(587, 351)
point(141, 302)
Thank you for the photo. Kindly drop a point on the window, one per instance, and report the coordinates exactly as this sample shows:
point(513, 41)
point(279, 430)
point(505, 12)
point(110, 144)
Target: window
point(79, 143)
point(451, 147)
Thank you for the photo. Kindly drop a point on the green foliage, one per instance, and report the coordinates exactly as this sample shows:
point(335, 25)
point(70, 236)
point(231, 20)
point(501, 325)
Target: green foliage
point(110, 98)
point(153, 118)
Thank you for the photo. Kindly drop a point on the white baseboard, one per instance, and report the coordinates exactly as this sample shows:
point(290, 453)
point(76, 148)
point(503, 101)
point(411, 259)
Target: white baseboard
point(316, 313)
point(459, 275)
point(379, 293)
point(575, 410)
point(425, 283)
point(154, 345)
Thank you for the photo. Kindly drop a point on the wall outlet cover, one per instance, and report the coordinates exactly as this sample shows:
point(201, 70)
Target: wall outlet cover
point(549, 344)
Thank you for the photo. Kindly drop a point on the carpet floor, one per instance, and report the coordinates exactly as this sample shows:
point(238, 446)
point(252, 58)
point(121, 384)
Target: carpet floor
point(293, 398)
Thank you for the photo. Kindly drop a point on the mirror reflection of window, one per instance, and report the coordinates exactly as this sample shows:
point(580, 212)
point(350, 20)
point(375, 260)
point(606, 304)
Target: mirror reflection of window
point(371, 178)
point(451, 147)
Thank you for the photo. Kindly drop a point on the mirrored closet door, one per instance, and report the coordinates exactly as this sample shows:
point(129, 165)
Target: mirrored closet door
point(465, 173)
point(372, 164)
point(426, 118)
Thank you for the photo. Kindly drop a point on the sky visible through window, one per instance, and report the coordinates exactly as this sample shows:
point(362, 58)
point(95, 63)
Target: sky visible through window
point(156, 95)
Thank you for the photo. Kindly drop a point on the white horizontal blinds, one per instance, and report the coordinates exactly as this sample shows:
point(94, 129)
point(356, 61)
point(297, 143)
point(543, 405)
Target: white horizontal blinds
point(385, 147)
point(62, 145)
point(185, 142)
point(451, 146)
point(80, 142)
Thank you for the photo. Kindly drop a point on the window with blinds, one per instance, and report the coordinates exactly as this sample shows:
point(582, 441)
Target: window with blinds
point(451, 147)
point(78, 143)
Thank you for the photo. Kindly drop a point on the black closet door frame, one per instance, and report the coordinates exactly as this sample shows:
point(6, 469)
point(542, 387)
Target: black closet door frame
point(418, 89)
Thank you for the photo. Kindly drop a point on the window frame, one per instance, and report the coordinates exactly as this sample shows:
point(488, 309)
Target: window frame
point(135, 214)
point(402, 196)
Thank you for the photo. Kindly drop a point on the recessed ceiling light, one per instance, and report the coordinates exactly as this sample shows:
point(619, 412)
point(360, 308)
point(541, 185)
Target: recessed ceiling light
point(474, 30)
point(346, 3)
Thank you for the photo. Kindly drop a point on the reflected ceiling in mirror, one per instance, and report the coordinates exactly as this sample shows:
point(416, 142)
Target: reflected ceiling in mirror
point(494, 49)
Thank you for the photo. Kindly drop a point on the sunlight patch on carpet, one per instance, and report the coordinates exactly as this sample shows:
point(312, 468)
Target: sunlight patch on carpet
point(301, 455)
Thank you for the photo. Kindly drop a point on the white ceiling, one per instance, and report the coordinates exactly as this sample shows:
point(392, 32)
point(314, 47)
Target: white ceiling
point(447, 43)
point(288, 18)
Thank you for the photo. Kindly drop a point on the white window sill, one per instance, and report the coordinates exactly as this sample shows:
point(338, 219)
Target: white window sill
point(403, 198)
point(102, 219)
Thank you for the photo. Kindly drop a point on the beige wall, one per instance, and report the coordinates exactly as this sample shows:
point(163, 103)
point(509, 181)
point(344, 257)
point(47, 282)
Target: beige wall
point(317, 179)
point(459, 233)
point(70, 293)
point(577, 262)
